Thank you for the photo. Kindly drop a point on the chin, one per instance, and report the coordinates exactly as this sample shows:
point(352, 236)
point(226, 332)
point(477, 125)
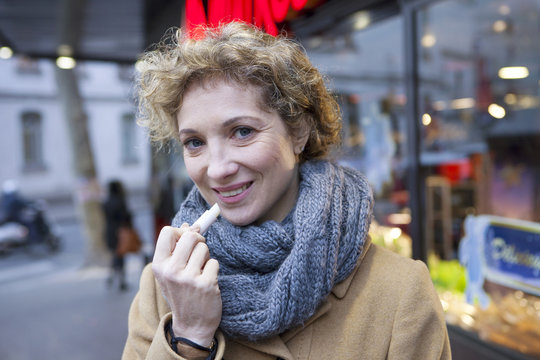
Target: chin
point(237, 219)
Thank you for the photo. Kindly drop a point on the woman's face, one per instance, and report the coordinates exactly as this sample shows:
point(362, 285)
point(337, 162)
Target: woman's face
point(239, 155)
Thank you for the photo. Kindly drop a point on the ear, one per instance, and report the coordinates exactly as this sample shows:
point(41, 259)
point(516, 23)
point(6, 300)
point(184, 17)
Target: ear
point(301, 137)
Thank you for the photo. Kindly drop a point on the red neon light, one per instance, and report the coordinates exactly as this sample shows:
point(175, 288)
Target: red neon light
point(298, 4)
point(242, 10)
point(263, 13)
point(220, 11)
point(194, 16)
point(280, 9)
point(263, 17)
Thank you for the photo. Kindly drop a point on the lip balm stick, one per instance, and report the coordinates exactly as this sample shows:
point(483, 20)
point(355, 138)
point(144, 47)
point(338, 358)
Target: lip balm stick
point(208, 218)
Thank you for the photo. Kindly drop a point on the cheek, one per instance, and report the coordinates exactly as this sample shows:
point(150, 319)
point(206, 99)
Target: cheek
point(283, 152)
point(276, 150)
point(193, 168)
point(269, 158)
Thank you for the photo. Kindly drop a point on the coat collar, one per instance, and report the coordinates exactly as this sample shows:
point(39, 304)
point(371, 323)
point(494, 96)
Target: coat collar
point(340, 290)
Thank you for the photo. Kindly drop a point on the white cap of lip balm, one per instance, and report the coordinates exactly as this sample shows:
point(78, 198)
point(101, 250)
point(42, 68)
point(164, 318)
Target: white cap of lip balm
point(208, 218)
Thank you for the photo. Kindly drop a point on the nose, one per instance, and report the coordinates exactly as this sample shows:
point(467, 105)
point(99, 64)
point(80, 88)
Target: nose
point(221, 163)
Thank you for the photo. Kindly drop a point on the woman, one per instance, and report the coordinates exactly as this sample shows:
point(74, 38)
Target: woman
point(116, 215)
point(287, 271)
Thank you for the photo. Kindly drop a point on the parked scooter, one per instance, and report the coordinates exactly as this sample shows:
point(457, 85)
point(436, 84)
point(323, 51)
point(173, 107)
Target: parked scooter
point(33, 230)
point(24, 223)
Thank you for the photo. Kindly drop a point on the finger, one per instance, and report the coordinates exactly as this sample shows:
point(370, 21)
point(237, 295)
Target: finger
point(195, 227)
point(184, 228)
point(211, 270)
point(198, 258)
point(184, 248)
point(166, 242)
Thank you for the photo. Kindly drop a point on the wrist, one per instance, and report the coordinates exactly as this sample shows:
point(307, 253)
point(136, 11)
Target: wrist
point(204, 339)
point(189, 349)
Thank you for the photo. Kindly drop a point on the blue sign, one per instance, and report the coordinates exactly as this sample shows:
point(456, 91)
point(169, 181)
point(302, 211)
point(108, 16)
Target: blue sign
point(502, 250)
point(513, 251)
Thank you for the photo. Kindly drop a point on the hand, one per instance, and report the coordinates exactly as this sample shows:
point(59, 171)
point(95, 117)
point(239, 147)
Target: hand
point(188, 279)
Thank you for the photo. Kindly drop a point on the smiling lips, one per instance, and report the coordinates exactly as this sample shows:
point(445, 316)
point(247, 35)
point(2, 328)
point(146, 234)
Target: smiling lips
point(231, 195)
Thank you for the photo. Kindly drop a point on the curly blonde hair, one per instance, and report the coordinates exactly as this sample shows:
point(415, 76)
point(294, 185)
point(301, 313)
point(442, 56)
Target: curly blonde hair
point(242, 54)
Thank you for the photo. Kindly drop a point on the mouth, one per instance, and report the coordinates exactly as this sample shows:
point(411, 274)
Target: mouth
point(232, 192)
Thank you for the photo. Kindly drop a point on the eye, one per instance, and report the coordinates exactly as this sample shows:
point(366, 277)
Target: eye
point(193, 144)
point(243, 132)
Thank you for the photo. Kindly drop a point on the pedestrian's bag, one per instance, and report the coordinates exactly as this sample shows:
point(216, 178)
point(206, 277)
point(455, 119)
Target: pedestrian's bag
point(128, 241)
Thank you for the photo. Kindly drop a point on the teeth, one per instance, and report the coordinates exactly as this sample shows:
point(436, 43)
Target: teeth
point(234, 192)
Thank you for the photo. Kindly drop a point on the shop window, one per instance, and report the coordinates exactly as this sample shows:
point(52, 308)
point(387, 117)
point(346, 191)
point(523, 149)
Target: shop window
point(367, 76)
point(480, 117)
point(129, 139)
point(32, 142)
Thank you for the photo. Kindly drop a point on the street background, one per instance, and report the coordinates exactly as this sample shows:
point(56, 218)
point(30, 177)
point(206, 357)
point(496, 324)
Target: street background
point(53, 307)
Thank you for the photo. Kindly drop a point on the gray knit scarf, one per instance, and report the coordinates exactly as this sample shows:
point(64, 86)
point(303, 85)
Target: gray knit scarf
point(274, 276)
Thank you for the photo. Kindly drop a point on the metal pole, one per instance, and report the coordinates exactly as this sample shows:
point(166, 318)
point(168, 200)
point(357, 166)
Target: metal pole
point(414, 172)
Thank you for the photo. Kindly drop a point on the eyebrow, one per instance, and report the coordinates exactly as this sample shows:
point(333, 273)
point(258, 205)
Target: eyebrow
point(187, 131)
point(226, 123)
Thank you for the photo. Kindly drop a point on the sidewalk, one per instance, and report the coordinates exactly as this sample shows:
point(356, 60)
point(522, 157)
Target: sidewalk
point(51, 308)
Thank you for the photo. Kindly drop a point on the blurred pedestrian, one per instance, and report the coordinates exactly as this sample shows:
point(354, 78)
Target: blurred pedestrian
point(117, 215)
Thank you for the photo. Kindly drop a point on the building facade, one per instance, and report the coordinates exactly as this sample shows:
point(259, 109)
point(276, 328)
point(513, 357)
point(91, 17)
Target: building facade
point(35, 148)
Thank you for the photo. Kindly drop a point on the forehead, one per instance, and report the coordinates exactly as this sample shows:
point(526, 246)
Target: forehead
point(224, 97)
point(219, 81)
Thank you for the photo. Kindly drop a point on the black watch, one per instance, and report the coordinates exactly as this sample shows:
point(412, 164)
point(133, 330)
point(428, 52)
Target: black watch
point(176, 339)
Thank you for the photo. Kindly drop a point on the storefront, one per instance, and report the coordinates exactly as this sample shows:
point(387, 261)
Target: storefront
point(441, 110)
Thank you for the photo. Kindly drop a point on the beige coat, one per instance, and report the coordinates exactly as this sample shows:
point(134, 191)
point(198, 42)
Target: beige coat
point(386, 309)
